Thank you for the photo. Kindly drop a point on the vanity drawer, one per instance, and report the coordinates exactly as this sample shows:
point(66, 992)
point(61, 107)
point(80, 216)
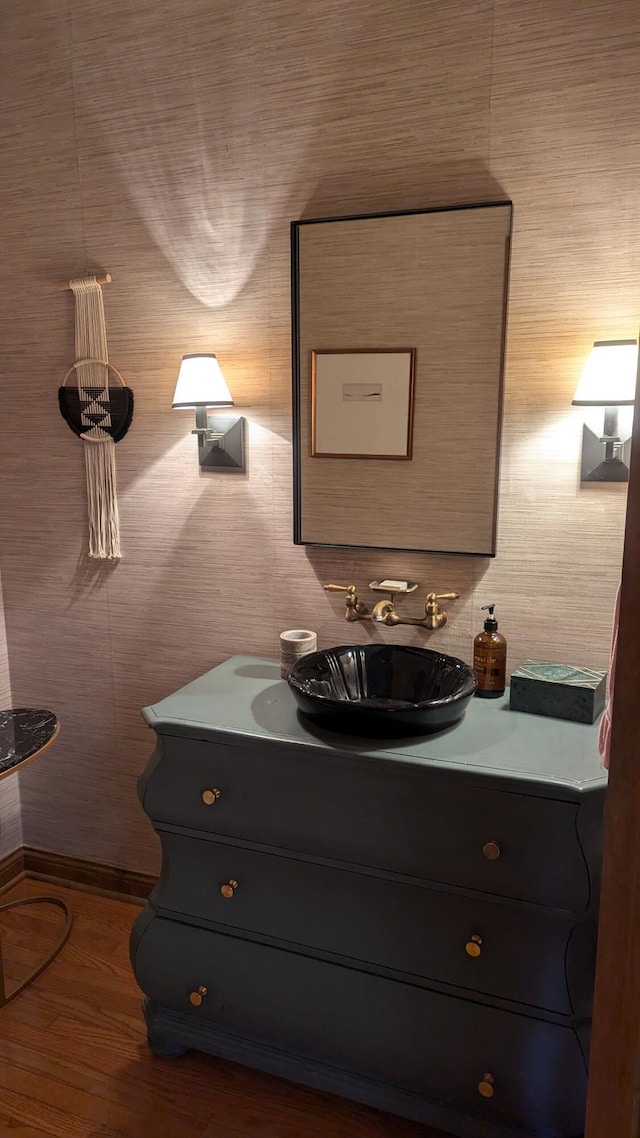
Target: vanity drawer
point(434, 1045)
point(517, 954)
point(392, 816)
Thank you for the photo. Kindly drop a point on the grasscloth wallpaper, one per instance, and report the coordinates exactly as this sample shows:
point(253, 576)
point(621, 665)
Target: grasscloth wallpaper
point(170, 143)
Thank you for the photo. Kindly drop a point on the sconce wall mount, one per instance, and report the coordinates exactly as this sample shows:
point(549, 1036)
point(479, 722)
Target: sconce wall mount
point(200, 385)
point(608, 381)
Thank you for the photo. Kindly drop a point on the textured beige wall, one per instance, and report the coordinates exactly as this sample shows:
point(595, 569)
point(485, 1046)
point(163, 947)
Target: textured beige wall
point(10, 820)
point(171, 143)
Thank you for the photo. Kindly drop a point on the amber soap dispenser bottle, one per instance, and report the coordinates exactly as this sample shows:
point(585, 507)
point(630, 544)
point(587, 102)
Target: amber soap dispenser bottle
point(490, 658)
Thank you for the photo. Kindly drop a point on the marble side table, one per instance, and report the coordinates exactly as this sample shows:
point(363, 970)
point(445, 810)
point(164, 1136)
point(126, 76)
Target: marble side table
point(25, 734)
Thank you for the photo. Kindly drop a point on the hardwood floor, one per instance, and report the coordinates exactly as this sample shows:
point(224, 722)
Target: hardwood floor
point(74, 1062)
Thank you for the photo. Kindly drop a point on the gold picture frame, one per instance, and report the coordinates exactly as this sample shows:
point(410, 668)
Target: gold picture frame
point(362, 407)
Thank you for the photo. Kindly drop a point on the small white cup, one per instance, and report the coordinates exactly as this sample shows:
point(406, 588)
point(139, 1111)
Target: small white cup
point(294, 644)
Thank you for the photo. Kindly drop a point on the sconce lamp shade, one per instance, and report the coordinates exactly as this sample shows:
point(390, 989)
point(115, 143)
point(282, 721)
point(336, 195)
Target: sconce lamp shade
point(201, 384)
point(609, 376)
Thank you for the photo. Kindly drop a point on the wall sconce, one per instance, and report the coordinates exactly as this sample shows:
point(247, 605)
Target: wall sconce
point(201, 384)
point(609, 381)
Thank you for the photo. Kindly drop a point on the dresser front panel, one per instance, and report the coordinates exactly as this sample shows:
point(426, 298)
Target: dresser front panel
point(408, 928)
point(436, 1045)
point(401, 819)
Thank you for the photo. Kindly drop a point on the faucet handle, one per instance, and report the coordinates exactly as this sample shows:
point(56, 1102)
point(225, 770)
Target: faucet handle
point(435, 617)
point(355, 608)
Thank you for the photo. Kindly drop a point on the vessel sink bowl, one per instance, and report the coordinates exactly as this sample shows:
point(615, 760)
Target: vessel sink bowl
point(385, 689)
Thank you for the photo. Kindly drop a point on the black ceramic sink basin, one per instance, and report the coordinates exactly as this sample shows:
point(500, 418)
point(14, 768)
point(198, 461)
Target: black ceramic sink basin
point(382, 688)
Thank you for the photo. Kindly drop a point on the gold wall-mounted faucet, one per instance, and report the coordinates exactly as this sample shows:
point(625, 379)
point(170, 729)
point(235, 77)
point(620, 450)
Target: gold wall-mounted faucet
point(385, 612)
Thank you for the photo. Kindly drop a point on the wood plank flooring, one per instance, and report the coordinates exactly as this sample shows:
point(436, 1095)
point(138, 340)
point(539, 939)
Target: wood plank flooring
point(74, 1062)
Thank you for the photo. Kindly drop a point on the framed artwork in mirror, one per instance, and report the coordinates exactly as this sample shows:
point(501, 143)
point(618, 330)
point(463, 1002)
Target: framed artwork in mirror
point(362, 403)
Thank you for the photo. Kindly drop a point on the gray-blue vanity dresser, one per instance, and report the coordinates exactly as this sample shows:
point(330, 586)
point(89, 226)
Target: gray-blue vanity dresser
point(408, 923)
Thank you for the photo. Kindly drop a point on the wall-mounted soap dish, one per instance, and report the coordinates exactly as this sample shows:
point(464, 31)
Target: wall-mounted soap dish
point(392, 586)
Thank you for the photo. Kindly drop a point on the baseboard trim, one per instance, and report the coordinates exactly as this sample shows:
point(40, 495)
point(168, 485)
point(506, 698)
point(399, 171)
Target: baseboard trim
point(76, 872)
point(11, 869)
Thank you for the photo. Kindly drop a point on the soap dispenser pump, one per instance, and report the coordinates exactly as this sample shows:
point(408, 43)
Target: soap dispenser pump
point(490, 658)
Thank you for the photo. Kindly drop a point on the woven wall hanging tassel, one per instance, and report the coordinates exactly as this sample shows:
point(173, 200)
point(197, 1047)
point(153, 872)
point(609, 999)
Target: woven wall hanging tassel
point(99, 413)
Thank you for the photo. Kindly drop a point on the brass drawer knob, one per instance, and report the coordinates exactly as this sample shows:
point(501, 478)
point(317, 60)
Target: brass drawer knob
point(198, 996)
point(491, 851)
point(473, 947)
point(229, 888)
point(485, 1086)
point(210, 797)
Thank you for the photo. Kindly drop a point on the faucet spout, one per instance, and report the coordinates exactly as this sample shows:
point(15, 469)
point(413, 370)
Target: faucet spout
point(385, 613)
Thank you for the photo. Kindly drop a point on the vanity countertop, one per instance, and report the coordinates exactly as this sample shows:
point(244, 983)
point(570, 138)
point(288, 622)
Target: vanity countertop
point(244, 697)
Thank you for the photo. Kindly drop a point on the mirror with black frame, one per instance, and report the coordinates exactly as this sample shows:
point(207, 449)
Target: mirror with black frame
point(398, 355)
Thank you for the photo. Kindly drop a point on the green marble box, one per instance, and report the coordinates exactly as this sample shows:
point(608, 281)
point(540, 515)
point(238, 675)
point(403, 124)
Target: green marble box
point(558, 690)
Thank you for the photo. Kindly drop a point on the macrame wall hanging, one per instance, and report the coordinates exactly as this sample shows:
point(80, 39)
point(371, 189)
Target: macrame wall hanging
point(98, 406)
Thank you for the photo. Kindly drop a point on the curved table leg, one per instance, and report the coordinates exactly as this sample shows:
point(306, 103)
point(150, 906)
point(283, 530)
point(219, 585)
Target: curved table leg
point(5, 996)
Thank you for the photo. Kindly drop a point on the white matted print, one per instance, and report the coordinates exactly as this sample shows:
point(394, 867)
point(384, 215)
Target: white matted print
point(362, 403)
